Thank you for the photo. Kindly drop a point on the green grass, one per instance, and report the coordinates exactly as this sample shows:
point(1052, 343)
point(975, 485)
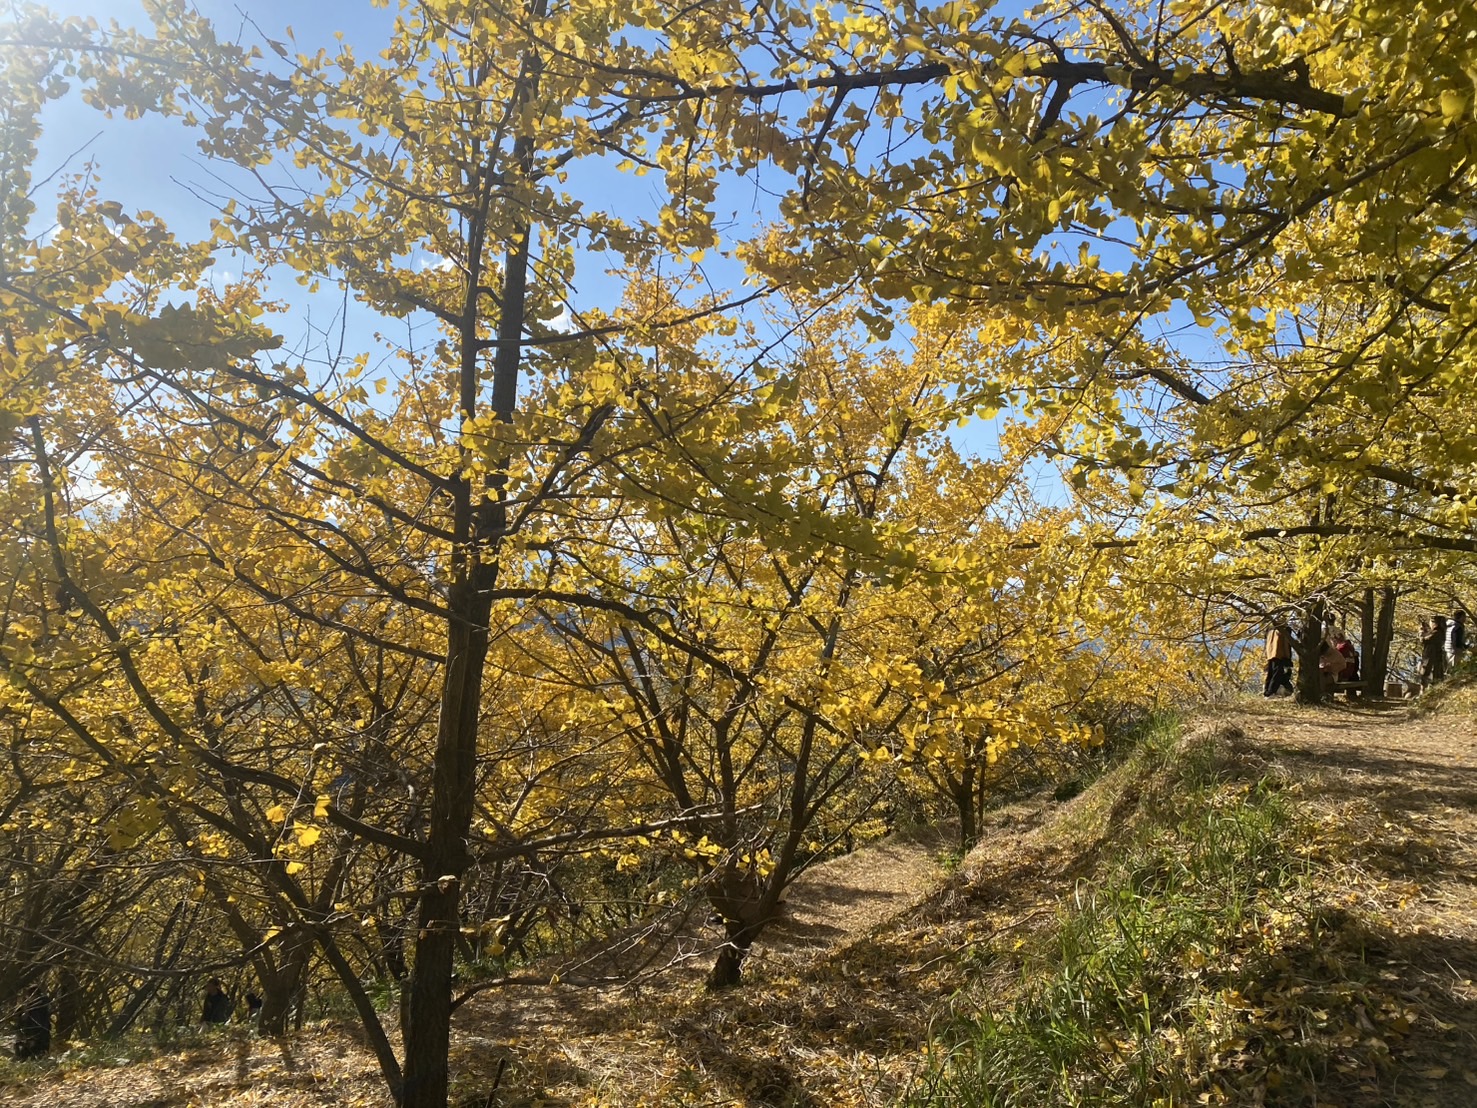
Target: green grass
point(1199, 967)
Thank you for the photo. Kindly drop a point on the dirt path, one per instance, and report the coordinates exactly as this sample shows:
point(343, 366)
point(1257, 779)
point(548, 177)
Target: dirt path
point(833, 904)
point(825, 908)
point(1403, 786)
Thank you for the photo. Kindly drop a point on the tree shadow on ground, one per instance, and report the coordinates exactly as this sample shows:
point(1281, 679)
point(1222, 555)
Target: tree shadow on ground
point(765, 1044)
point(754, 1078)
point(1407, 800)
point(810, 927)
point(755, 1045)
point(1424, 975)
point(1410, 781)
point(1409, 796)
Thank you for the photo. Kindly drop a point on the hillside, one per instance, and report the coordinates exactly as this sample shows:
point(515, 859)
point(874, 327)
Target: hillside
point(1362, 939)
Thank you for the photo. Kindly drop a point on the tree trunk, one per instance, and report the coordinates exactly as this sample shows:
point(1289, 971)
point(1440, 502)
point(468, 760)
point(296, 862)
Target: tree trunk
point(1307, 641)
point(428, 1030)
point(282, 987)
point(728, 969)
point(481, 518)
point(747, 904)
point(1373, 683)
point(479, 525)
point(68, 1005)
point(964, 803)
point(1384, 637)
point(276, 1006)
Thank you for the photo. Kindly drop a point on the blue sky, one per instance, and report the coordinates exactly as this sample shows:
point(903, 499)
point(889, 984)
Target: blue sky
point(152, 164)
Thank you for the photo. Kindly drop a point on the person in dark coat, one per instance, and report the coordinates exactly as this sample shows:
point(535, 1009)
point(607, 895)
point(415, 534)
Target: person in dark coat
point(217, 1006)
point(33, 1024)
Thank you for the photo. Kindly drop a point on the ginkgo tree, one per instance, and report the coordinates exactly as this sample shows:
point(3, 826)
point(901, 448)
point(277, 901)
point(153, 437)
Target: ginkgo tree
point(267, 468)
point(465, 175)
point(1294, 177)
point(1045, 624)
point(763, 707)
point(896, 616)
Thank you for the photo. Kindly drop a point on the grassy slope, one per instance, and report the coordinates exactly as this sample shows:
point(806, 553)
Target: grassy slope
point(1195, 959)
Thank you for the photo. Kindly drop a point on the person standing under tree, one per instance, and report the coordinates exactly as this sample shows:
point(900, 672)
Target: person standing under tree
point(33, 1024)
point(1456, 638)
point(1433, 650)
point(1279, 658)
point(217, 1006)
